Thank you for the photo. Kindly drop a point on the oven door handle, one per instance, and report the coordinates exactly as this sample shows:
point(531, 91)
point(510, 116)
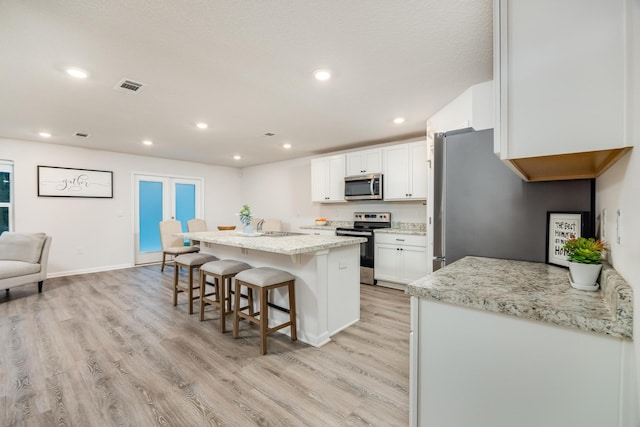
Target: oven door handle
point(354, 233)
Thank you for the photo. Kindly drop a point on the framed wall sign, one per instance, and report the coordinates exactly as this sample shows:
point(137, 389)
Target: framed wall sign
point(561, 227)
point(55, 181)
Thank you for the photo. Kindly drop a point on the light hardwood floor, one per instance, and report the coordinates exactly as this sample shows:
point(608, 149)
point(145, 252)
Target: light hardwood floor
point(110, 349)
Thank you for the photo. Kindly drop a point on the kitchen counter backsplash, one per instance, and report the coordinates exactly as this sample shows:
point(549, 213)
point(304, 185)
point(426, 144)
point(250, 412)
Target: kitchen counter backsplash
point(330, 225)
point(396, 227)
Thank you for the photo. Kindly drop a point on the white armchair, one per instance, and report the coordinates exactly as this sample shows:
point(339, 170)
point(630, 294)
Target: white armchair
point(23, 259)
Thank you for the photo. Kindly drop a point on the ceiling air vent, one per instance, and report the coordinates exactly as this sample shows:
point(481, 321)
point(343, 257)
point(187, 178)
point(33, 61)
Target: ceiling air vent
point(82, 134)
point(129, 86)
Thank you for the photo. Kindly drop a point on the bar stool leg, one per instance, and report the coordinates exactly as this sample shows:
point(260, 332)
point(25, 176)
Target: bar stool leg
point(190, 292)
point(236, 308)
point(202, 292)
point(264, 320)
point(222, 301)
point(175, 287)
point(292, 311)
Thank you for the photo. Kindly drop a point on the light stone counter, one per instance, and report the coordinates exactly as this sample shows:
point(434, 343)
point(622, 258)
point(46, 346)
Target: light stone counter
point(287, 245)
point(534, 291)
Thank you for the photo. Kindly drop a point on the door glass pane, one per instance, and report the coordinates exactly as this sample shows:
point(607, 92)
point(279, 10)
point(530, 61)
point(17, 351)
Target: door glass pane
point(150, 200)
point(185, 203)
point(4, 219)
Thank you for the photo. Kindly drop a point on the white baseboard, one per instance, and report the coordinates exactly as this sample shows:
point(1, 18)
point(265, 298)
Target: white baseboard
point(89, 270)
point(392, 285)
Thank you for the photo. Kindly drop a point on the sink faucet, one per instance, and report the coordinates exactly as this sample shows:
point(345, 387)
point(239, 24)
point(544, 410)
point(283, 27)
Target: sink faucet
point(259, 225)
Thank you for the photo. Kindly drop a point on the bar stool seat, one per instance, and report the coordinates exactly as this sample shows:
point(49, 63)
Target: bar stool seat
point(222, 272)
point(264, 279)
point(190, 261)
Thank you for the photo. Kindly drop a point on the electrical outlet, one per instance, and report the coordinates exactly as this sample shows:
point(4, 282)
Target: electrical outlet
point(603, 224)
point(618, 227)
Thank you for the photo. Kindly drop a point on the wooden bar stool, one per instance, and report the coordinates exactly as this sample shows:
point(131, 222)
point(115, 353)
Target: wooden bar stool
point(222, 272)
point(191, 262)
point(264, 279)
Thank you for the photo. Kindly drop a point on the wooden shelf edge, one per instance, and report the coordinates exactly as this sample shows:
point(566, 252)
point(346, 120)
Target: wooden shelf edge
point(582, 165)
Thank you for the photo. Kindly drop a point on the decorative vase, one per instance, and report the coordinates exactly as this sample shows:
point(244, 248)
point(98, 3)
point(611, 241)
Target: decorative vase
point(247, 228)
point(584, 276)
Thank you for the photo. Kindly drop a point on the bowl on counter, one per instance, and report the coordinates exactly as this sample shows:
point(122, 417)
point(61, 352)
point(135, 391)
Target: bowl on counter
point(226, 227)
point(321, 221)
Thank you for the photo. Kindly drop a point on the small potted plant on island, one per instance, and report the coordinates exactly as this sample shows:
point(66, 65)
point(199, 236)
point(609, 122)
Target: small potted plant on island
point(245, 219)
point(585, 262)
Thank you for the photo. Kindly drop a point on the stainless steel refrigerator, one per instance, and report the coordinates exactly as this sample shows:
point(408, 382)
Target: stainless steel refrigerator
point(482, 208)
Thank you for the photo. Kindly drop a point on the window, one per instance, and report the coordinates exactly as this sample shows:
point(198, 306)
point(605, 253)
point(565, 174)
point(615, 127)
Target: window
point(6, 195)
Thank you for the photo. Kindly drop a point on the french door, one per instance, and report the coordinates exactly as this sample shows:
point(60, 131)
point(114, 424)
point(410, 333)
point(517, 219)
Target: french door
point(158, 198)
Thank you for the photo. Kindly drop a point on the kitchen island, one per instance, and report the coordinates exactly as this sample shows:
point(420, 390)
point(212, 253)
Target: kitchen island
point(327, 271)
point(502, 343)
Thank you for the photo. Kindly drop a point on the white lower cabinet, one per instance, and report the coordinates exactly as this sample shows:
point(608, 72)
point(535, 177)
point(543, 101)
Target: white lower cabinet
point(400, 258)
point(470, 367)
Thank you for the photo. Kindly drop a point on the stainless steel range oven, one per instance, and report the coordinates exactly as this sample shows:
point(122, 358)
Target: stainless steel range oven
point(364, 223)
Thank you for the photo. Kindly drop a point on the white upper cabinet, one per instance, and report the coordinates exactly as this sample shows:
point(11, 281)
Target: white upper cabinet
point(364, 162)
point(562, 70)
point(405, 171)
point(327, 179)
point(472, 109)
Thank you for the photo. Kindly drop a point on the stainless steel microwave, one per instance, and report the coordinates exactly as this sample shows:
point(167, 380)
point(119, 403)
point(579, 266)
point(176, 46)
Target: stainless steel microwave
point(363, 187)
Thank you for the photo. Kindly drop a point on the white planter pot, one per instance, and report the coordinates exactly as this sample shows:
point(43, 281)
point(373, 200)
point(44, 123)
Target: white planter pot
point(584, 276)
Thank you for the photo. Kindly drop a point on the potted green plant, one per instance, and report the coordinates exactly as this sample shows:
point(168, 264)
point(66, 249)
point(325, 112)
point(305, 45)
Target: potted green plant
point(585, 261)
point(245, 219)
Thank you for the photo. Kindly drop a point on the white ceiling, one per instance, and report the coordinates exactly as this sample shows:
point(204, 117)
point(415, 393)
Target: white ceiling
point(244, 67)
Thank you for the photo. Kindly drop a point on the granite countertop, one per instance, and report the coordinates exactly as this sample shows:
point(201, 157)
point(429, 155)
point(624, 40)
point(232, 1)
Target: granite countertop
point(534, 291)
point(287, 245)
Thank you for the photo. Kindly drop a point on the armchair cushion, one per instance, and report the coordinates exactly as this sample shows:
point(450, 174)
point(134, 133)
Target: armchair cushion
point(25, 247)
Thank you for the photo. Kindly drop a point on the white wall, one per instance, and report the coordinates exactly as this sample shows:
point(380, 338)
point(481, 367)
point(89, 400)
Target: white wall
point(619, 188)
point(283, 190)
point(98, 234)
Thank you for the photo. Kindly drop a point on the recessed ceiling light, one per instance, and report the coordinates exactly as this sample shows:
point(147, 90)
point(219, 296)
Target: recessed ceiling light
point(236, 157)
point(202, 125)
point(322, 74)
point(147, 142)
point(77, 73)
point(287, 146)
point(45, 134)
point(398, 120)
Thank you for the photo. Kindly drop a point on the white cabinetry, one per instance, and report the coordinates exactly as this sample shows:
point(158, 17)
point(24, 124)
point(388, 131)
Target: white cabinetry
point(327, 179)
point(364, 162)
point(562, 78)
point(405, 171)
point(475, 368)
point(400, 258)
point(472, 109)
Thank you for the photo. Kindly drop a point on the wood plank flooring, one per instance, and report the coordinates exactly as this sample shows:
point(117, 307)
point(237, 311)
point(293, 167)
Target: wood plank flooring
point(110, 349)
